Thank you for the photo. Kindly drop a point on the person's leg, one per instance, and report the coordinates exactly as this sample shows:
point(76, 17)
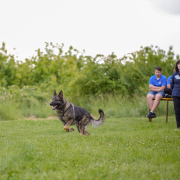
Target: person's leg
point(177, 109)
point(158, 97)
point(156, 102)
point(150, 96)
point(168, 91)
point(150, 100)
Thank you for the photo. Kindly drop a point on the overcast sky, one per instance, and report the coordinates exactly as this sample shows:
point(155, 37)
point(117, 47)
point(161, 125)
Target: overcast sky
point(97, 26)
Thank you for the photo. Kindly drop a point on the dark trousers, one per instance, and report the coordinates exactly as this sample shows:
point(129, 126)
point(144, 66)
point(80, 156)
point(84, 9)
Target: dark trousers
point(177, 109)
point(168, 91)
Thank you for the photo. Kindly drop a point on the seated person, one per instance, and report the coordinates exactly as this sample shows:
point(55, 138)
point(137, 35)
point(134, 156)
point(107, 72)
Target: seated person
point(168, 90)
point(157, 84)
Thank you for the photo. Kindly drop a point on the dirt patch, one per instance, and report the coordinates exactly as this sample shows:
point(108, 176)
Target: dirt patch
point(32, 117)
point(52, 117)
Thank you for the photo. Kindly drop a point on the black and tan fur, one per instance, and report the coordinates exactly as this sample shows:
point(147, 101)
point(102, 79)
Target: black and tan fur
point(70, 114)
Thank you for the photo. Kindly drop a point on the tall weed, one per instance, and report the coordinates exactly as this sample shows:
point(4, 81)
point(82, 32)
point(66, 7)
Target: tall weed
point(30, 101)
point(116, 105)
point(9, 111)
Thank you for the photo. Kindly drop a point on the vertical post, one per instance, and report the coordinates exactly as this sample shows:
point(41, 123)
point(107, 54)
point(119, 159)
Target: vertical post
point(167, 111)
point(150, 120)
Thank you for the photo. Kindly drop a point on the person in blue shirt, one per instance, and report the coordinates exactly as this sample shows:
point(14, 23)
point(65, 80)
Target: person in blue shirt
point(175, 86)
point(168, 90)
point(157, 84)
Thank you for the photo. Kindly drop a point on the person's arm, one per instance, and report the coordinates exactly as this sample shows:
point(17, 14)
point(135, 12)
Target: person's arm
point(172, 82)
point(168, 83)
point(155, 88)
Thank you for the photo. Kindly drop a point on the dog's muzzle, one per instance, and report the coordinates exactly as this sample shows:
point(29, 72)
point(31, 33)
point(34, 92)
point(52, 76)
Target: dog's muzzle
point(54, 106)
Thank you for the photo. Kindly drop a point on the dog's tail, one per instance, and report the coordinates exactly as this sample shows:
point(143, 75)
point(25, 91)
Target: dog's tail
point(99, 121)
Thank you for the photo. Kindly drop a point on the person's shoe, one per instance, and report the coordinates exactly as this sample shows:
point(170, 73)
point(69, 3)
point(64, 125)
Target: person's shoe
point(168, 96)
point(149, 115)
point(153, 115)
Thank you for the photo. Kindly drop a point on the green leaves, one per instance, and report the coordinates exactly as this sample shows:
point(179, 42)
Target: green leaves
point(85, 75)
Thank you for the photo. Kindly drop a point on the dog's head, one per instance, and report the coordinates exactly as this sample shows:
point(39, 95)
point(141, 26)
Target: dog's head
point(57, 101)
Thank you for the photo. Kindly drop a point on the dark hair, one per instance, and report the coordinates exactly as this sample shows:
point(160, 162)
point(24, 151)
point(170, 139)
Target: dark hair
point(158, 68)
point(176, 68)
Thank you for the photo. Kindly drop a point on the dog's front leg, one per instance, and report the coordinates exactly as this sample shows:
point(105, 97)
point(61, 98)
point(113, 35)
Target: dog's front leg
point(66, 127)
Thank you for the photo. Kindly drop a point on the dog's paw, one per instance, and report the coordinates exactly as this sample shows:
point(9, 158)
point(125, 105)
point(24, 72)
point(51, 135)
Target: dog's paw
point(71, 129)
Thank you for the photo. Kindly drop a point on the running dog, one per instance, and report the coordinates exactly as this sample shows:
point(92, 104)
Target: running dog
point(70, 114)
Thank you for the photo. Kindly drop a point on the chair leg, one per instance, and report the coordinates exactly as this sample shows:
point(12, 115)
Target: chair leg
point(150, 120)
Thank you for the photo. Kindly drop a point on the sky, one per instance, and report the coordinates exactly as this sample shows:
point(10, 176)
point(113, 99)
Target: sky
point(96, 26)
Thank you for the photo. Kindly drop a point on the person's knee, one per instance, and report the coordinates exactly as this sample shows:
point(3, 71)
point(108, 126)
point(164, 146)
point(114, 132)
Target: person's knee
point(158, 96)
point(150, 96)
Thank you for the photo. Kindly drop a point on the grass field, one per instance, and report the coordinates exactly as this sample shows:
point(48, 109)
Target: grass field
point(122, 148)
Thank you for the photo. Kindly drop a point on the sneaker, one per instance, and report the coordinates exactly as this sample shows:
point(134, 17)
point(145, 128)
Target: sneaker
point(153, 115)
point(168, 96)
point(149, 115)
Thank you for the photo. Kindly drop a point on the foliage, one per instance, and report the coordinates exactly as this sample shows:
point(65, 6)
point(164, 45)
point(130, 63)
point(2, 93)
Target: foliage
point(30, 101)
point(28, 85)
point(16, 103)
point(78, 74)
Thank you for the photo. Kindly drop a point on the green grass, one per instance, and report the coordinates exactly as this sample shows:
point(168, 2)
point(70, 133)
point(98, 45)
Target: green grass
point(113, 105)
point(122, 148)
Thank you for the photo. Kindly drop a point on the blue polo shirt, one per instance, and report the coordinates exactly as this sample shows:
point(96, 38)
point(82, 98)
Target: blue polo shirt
point(162, 81)
point(169, 78)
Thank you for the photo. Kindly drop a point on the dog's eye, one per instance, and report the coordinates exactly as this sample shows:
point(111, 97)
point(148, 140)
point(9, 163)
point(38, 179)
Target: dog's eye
point(58, 100)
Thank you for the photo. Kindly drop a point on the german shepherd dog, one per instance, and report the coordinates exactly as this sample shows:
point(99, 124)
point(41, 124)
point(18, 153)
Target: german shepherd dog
point(70, 114)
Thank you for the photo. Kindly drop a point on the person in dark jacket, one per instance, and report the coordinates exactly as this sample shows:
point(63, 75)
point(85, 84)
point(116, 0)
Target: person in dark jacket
point(175, 86)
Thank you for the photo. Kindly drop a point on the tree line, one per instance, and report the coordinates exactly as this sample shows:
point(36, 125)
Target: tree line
point(79, 74)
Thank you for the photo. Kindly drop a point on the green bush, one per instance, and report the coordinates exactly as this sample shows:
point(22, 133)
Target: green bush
point(119, 86)
point(78, 74)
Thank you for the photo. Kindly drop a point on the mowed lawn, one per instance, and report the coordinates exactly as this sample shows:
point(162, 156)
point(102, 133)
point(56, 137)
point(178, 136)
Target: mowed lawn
point(124, 148)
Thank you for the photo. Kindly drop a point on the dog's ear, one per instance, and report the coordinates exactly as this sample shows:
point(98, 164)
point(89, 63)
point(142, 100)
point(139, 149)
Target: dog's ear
point(55, 93)
point(61, 94)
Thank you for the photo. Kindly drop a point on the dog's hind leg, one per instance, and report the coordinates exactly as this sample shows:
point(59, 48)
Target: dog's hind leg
point(77, 127)
point(83, 125)
point(85, 132)
point(66, 127)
